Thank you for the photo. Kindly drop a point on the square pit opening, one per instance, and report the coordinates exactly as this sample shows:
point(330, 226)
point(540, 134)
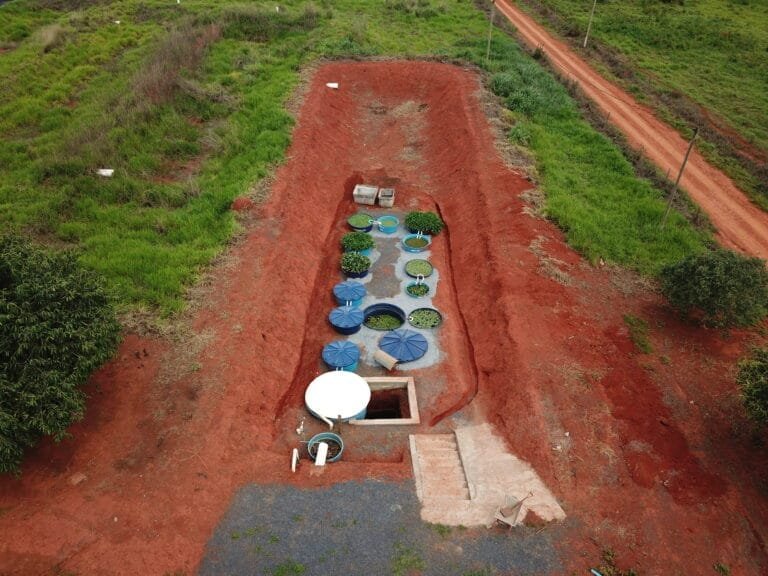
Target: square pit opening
point(393, 402)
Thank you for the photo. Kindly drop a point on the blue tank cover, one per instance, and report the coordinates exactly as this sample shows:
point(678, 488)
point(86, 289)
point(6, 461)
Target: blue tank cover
point(340, 353)
point(349, 291)
point(405, 345)
point(346, 317)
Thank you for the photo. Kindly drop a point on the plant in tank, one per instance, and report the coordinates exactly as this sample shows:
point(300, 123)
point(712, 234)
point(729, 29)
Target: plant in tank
point(424, 222)
point(418, 268)
point(417, 290)
point(357, 241)
point(360, 220)
point(354, 263)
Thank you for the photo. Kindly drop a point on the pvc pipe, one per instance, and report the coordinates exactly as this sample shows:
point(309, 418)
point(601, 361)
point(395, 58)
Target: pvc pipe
point(294, 459)
point(386, 360)
point(322, 454)
point(326, 420)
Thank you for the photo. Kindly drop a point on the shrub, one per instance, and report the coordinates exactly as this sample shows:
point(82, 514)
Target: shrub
point(720, 288)
point(182, 50)
point(56, 326)
point(752, 378)
point(424, 222)
point(52, 36)
point(356, 241)
point(244, 22)
point(355, 263)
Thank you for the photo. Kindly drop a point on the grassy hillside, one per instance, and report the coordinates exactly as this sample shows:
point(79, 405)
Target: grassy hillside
point(714, 52)
point(186, 102)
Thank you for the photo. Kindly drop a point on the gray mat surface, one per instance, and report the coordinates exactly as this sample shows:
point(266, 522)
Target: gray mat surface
point(362, 528)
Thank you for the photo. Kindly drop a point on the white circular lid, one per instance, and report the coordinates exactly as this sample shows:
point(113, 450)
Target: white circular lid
point(337, 393)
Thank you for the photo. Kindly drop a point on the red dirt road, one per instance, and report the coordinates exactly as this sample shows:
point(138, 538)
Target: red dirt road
point(657, 464)
point(740, 224)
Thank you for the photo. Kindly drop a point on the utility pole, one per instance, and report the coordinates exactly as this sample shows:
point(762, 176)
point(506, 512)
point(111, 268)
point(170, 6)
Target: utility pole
point(490, 33)
point(679, 175)
point(589, 26)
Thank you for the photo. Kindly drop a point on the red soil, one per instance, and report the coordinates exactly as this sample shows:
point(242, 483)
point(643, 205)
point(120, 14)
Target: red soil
point(657, 463)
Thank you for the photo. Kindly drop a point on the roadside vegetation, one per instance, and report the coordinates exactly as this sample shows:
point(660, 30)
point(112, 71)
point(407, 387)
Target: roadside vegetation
point(720, 289)
point(752, 377)
point(699, 63)
point(186, 103)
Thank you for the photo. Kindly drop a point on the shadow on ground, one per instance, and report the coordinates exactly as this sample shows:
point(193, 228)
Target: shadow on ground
point(368, 527)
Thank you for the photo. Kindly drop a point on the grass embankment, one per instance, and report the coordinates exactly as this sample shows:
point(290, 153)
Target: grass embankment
point(186, 103)
point(711, 53)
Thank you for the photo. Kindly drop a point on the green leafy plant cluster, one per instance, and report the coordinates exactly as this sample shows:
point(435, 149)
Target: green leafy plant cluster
point(383, 321)
point(57, 325)
point(417, 290)
point(425, 318)
point(355, 263)
point(357, 241)
point(418, 267)
point(360, 220)
point(719, 288)
point(752, 378)
point(424, 222)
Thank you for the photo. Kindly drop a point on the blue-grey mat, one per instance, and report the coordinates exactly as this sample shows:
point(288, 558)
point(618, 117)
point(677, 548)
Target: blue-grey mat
point(365, 528)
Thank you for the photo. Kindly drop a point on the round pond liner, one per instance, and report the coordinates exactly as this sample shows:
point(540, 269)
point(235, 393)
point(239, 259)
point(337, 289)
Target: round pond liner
point(417, 289)
point(346, 319)
point(366, 228)
point(341, 354)
point(426, 266)
point(436, 317)
point(416, 242)
point(382, 308)
point(405, 345)
point(349, 291)
point(335, 445)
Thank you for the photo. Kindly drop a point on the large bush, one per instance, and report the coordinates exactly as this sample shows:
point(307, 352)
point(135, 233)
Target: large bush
point(56, 326)
point(719, 288)
point(753, 380)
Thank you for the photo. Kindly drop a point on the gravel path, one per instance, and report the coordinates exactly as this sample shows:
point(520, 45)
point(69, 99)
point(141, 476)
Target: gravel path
point(355, 528)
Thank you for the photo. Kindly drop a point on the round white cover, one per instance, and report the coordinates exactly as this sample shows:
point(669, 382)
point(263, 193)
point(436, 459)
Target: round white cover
point(337, 393)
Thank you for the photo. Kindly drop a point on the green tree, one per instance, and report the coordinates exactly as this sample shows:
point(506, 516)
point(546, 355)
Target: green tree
point(752, 378)
point(57, 325)
point(720, 288)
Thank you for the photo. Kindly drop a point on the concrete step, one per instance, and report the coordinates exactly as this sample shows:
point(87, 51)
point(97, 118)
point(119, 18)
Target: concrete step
point(438, 468)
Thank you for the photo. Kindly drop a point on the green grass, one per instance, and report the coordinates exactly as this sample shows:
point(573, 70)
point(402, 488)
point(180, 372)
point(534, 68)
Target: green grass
point(638, 333)
point(712, 51)
point(406, 561)
point(187, 135)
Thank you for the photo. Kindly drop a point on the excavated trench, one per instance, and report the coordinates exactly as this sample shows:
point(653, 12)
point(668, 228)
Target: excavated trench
point(386, 125)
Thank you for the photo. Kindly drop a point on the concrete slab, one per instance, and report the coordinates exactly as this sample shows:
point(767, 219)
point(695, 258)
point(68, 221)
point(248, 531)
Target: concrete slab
point(494, 478)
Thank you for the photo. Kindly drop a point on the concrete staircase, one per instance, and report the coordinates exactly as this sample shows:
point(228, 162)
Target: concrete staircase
point(465, 477)
point(438, 468)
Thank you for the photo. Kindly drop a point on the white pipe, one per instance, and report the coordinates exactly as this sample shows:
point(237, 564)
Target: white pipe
point(326, 420)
